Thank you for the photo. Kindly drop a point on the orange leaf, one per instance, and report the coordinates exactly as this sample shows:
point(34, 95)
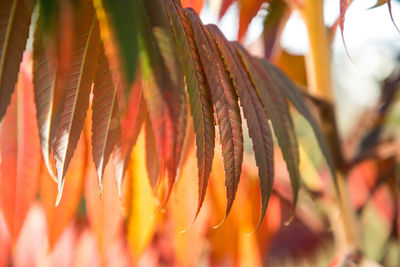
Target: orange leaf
point(104, 211)
point(20, 154)
point(197, 5)
point(247, 11)
point(58, 218)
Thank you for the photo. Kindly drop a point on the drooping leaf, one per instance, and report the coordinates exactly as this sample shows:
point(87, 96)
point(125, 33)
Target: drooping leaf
point(389, 4)
point(152, 159)
point(79, 82)
point(131, 123)
point(20, 155)
point(226, 106)
point(278, 111)
point(15, 18)
point(51, 61)
point(105, 123)
point(294, 95)
point(163, 88)
point(59, 218)
point(141, 218)
point(119, 17)
point(199, 96)
point(247, 11)
point(104, 213)
point(257, 121)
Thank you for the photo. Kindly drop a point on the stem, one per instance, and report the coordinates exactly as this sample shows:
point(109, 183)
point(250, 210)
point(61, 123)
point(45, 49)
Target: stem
point(318, 66)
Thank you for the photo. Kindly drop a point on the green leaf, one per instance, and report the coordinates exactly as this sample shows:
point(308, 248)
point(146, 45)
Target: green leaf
point(257, 121)
point(225, 101)
point(199, 96)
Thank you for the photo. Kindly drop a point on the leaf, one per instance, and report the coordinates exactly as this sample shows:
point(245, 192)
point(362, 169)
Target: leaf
point(295, 97)
point(277, 109)
point(79, 81)
point(224, 7)
point(199, 96)
point(49, 74)
point(163, 87)
point(121, 19)
point(197, 5)
point(20, 155)
point(224, 99)
point(257, 121)
point(15, 18)
point(131, 123)
point(59, 218)
point(104, 212)
point(247, 11)
point(142, 206)
point(152, 159)
point(105, 123)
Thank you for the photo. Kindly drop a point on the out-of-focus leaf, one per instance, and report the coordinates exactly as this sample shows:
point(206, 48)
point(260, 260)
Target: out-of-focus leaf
point(389, 4)
point(59, 218)
point(190, 244)
point(142, 206)
point(295, 97)
point(274, 23)
point(104, 212)
point(5, 242)
point(78, 84)
point(199, 96)
point(257, 121)
point(224, 7)
point(20, 154)
point(152, 159)
point(293, 66)
point(163, 87)
point(277, 109)
point(15, 18)
point(226, 106)
point(247, 11)
point(120, 17)
point(197, 5)
point(105, 123)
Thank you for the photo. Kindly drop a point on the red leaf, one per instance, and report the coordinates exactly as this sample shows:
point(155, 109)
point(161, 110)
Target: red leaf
point(20, 154)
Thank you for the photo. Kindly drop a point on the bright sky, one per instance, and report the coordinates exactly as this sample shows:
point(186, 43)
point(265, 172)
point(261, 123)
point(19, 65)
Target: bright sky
point(371, 38)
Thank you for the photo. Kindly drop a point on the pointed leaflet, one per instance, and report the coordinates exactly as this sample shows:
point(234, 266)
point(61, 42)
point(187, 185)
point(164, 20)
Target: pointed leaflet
point(152, 159)
point(389, 4)
point(20, 155)
point(105, 124)
point(15, 18)
point(226, 106)
point(131, 123)
point(278, 111)
point(59, 218)
point(257, 121)
point(247, 11)
point(49, 73)
point(224, 7)
point(163, 87)
point(199, 96)
point(79, 81)
point(295, 97)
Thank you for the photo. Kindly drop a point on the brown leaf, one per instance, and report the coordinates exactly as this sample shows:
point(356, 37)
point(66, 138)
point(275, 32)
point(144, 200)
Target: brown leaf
point(200, 107)
point(225, 102)
point(15, 18)
point(79, 81)
point(105, 123)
